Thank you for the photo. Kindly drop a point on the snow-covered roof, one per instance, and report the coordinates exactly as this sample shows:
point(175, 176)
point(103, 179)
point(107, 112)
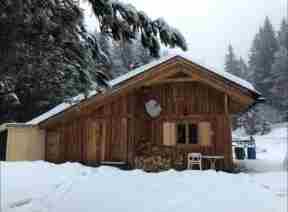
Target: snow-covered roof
point(60, 108)
point(5, 126)
point(113, 83)
point(144, 68)
point(50, 113)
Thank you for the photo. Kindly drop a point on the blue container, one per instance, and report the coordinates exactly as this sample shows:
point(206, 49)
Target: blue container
point(251, 153)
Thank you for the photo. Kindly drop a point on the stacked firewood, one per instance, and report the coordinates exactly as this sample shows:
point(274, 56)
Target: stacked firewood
point(154, 157)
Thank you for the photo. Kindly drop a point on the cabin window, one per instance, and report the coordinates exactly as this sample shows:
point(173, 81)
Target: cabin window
point(187, 133)
point(192, 133)
point(181, 133)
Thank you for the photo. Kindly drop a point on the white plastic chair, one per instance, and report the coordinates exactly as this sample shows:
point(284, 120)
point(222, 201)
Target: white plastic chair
point(194, 159)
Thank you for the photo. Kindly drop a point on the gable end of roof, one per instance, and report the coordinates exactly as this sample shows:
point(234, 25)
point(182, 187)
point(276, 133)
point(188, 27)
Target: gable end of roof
point(117, 82)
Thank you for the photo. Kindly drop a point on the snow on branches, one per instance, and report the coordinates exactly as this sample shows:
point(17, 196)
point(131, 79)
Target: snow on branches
point(122, 21)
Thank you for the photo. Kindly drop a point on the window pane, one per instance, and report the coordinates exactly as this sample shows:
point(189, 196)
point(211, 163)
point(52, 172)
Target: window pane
point(192, 133)
point(181, 133)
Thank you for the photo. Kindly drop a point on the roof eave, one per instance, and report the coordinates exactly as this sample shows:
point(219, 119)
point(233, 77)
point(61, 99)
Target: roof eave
point(129, 76)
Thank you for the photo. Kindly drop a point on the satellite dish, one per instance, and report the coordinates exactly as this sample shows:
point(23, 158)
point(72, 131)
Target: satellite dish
point(153, 108)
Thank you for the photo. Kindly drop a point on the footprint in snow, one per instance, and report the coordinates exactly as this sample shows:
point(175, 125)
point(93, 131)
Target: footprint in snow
point(266, 186)
point(20, 203)
point(281, 194)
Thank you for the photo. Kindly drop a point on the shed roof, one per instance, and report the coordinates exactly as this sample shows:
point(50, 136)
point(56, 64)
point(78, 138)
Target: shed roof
point(121, 79)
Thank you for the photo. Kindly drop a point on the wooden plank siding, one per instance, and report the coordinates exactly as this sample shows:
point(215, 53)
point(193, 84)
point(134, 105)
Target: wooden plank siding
point(110, 132)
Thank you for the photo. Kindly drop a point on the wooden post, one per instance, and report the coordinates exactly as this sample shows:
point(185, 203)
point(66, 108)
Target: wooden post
point(226, 104)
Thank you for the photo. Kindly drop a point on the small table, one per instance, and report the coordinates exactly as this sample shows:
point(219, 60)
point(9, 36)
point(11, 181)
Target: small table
point(212, 159)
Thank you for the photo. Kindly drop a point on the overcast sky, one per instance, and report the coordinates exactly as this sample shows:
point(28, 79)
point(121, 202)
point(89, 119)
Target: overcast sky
point(210, 25)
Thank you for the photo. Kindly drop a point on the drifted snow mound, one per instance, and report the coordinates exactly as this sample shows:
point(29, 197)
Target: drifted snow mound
point(45, 187)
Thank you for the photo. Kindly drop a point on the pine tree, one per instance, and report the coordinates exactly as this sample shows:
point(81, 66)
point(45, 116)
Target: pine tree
point(125, 56)
point(41, 50)
point(231, 62)
point(283, 34)
point(244, 70)
point(46, 55)
point(262, 57)
point(279, 75)
point(133, 55)
point(124, 22)
point(236, 66)
point(268, 67)
point(280, 79)
point(232, 66)
point(254, 122)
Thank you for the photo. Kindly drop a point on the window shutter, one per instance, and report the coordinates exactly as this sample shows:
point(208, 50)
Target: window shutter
point(205, 133)
point(172, 134)
point(169, 137)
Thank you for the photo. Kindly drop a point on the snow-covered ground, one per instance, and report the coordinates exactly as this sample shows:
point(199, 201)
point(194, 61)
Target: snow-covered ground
point(44, 187)
point(271, 150)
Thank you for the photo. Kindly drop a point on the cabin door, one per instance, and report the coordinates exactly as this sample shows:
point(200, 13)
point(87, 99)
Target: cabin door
point(52, 146)
point(95, 145)
point(116, 147)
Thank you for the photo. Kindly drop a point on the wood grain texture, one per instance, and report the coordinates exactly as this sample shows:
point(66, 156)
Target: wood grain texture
point(169, 70)
point(110, 132)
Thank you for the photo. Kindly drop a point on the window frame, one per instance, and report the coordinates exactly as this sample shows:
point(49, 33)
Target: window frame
point(187, 138)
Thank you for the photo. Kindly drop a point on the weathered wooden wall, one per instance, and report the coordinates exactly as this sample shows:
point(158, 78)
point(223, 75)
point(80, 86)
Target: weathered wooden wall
point(110, 132)
point(25, 143)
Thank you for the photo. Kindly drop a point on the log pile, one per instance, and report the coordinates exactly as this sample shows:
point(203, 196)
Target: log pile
point(154, 157)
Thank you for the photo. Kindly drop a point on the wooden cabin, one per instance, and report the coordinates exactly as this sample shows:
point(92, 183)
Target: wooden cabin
point(155, 114)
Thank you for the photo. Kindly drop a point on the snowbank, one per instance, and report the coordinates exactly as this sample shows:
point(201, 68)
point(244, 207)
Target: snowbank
point(43, 187)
